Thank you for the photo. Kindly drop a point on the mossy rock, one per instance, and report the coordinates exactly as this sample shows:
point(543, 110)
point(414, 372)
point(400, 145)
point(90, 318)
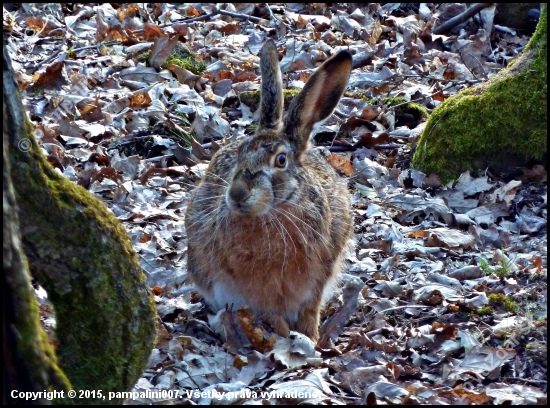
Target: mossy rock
point(497, 124)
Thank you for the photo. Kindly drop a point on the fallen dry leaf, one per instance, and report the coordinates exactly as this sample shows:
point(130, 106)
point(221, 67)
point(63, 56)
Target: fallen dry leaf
point(341, 164)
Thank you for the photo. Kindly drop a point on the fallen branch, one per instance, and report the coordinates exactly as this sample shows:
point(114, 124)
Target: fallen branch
point(36, 66)
point(215, 11)
point(243, 16)
point(457, 81)
point(466, 15)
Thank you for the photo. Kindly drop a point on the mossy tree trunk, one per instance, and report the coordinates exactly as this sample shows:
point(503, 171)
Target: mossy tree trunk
point(498, 124)
point(79, 252)
point(29, 361)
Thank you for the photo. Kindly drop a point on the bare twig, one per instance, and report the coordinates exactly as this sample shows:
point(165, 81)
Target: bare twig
point(51, 58)
point(107, 43)
point(243, 16)
point(177, 366)
point(334, 149)
point(458, 81)
point(402, 307)
point(270, 12)
point(389, 146)
point(292, 62)
point(423, 97)
point(455, 83)
point(215, 11)
point(462, 17)
point(273, 17)
point(36, 66)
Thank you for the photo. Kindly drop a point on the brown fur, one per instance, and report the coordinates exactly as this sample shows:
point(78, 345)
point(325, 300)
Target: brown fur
point(272, 237)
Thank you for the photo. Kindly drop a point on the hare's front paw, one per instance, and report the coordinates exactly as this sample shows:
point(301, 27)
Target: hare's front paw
point(308, 324)
point(279, 325)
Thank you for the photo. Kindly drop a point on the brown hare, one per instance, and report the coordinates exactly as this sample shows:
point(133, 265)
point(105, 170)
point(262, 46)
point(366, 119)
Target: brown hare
point(268, 224)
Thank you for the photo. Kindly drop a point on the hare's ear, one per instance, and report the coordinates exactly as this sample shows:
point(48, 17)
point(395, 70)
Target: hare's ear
point(271, 103)
point(318, 99)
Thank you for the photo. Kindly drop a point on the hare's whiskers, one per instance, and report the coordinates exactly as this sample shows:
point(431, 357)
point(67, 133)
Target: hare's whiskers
point(285, 230)
point(210, 198)
point(264, 231)
point(275, 222)
point(216, 176)
point(204, 216)
point(203, 183)
point(284, 214)
point(323, 239)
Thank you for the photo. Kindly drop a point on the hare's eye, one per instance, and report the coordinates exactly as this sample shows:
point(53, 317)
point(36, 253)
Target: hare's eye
point(280, 160)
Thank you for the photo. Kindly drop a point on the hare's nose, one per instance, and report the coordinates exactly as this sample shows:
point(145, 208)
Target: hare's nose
point(239, 192)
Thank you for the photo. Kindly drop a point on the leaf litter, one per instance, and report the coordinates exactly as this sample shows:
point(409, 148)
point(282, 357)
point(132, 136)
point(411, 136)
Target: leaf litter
point(444, 297)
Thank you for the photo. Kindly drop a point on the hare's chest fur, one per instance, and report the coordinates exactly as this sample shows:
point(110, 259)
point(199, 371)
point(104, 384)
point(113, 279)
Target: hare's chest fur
point(269, 265)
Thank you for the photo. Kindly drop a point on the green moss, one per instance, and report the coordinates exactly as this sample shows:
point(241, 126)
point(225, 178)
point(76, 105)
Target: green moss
point(183, 57)
point(510, 305)
point(290, 93)
point(496, 298)
point(498, 124)
point(252, 98)
point(502, 300)
point(144, 57)
point(359, 94)
point(35, 354)
point(418, 111)
point(484, 311)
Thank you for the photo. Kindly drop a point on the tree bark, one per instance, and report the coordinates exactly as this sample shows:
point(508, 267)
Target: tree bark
point(80, 253)
point(498, 124)
point(29, 362)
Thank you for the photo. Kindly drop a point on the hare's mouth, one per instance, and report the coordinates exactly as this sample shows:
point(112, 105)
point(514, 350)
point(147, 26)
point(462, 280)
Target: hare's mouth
point(253, 204)
point(248, 209)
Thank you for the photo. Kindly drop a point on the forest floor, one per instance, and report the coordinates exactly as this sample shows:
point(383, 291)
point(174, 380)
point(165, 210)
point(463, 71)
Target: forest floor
point(444, 296)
